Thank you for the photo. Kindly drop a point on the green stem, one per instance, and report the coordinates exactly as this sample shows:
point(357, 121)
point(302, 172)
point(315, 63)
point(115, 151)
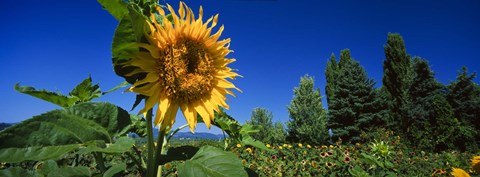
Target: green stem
point(158, 150)
point(150, 147)
point(144, 165)
point(100, 163)
point(176, 130)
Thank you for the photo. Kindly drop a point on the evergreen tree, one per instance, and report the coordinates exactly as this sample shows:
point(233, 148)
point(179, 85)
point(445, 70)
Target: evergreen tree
point(279, 133)
point(330, 75)
point(430, 118)
point(396, 78)
point(356, 106)
point(307, 116)
point(262, 117)
point(464, 96)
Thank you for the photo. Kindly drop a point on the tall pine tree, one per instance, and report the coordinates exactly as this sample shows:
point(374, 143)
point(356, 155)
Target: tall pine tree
point(330, 75)
point(307, 116)
point(355, 106)
point(262, 117)
point(397, 75)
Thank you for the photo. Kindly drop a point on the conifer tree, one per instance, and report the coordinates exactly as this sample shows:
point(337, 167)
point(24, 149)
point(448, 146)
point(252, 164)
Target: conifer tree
point(307, 116)
point(431, 124)
point(397, 77)
point(330, 75)
point(464, 97)
point(355, 106)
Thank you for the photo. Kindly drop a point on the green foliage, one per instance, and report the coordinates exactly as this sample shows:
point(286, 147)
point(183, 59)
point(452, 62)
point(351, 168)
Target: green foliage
point(331, 76)
point(116, 7)
point(397, 75)
point(77, 124)
point(83, 92)
point(269, 133)
point(356, 106)
point(210, 161)
point(36, 153)
point(307, 116)
point(464, 97)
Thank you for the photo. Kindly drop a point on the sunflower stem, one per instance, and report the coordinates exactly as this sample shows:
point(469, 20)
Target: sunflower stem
point(150, 146)
point(158, 150)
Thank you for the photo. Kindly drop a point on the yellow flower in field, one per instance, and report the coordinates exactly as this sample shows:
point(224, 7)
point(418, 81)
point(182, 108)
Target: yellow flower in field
point(324, 147)
point(289, 146)
point(268, 145)
point(457, 172)
point(285, 145)
point(239, 145)
point(308, 146)
point(314, 164)
point(244, 162)
point(184, 67)
point(439, 172)
point(280, 147)
point(476, 164)
point(331, 146)
point(300, 145)
point(167, 166)
point(249, 150)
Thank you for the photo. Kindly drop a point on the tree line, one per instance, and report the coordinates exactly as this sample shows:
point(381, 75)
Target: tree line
point(427, 114)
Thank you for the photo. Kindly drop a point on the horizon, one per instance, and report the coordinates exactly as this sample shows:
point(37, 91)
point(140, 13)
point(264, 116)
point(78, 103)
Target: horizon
point(54, 45)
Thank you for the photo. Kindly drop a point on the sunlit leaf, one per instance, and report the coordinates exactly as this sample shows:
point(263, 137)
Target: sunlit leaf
point(123, 144)
point(121, 85)
point(211, 161)
point(13, 155)
point(52, 97)
point(77, 124)
point(15, 172)
point(85, 91)
point(118, 8)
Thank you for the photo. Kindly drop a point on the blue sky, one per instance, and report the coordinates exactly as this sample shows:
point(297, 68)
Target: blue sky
point(55, 44)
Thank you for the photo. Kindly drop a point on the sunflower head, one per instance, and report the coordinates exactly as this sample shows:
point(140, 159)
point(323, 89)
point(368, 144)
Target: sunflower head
point(475, 164)
point(458, 172)
point(185, 66)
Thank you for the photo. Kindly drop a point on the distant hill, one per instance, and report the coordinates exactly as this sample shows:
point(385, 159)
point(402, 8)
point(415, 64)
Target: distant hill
point(197, 135)
point(5, 125)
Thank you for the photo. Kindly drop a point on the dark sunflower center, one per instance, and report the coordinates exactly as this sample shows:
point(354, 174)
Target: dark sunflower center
point(186, 70)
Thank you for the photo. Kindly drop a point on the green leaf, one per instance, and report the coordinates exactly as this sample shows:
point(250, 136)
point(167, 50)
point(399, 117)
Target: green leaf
point(14, 172)
point(70, 172)
point(129, 31)
point(248, 140)
point(248, 129)
point(118, 8)
point(52, 97)
point(85, 91)
point(358, 172)
point(116, 168)
point(121, 85)
point(14, 155)
point(122, 145)
point(211, 161)
point(78, 124)
point(181, 153)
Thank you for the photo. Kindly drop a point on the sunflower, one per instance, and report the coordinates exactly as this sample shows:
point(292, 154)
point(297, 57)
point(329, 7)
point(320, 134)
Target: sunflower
point(457, 172)
point(475, 164)
point(184, 66)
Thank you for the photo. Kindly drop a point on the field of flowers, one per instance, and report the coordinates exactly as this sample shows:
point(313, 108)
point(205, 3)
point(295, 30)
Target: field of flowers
point(385, 157)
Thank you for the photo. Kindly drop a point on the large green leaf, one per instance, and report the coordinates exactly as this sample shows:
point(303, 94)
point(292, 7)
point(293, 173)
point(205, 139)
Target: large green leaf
point(118, 8)
point(181, 153)
point(14, 172)
point(13, 155)
point(78, 124)
point(85, 91)
point(116, 168)
point(70, 172)
point(52, 97)
point(211, 161)
point(122, 145)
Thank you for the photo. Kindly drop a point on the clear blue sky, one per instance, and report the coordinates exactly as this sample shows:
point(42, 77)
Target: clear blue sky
point(55, 44)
